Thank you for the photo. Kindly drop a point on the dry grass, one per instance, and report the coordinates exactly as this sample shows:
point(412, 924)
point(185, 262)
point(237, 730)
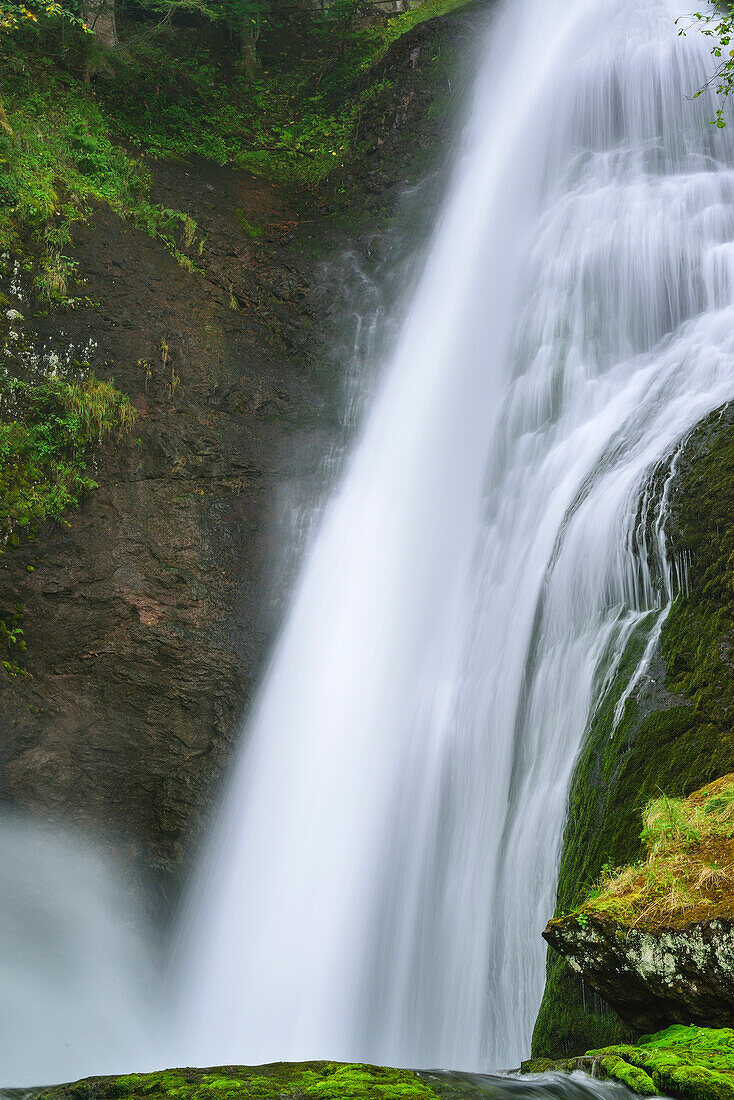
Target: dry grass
point(688, 873)
point(101, 408)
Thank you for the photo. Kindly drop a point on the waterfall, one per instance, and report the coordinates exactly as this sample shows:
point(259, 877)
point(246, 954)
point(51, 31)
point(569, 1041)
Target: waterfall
point(386, 853)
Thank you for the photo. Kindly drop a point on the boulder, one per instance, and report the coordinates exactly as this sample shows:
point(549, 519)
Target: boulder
point(653, 978)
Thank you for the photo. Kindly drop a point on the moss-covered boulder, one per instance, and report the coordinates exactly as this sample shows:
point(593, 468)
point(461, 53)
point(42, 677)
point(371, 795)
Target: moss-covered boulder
point(656, 938)
point(653, 978)
point(304, 1080)
point(689, 1063)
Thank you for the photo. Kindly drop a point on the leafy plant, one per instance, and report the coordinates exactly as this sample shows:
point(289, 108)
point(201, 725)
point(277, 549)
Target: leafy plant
point(717, 24)
point(45, 432)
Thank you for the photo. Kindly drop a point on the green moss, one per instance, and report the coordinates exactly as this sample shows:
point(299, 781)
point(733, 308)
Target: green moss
point(691, 1063)
point(317, 1080)
point(253, 230)
point(543, 1065)
point(57, 162)
point(632, 1076)
point(676, 732)
point(47, 428)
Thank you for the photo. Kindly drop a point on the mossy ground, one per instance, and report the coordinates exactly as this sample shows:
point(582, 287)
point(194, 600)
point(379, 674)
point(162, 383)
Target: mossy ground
point(56, 163)
point(311, 1081)
point(690, 1063)
point(179, 93)
point(676, 733)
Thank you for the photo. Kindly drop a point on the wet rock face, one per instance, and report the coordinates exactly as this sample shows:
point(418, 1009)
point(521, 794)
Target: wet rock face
point(149, 612)
point(675, 733)
point(654, 978)
point(146, 611)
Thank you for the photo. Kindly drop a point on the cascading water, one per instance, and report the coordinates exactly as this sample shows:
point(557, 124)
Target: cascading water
point(386, 855)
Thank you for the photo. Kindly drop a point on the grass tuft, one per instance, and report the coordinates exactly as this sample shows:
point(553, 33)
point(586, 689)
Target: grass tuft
point(688, 872)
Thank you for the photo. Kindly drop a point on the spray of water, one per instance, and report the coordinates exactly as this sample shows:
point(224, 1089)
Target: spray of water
point(77, 983)
point(386, 854)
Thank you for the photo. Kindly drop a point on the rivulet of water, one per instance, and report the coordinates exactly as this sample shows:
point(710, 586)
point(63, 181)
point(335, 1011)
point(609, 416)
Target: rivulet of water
point(387, 850)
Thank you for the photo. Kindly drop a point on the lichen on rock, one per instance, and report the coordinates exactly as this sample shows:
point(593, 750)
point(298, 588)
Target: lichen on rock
point(653, 978)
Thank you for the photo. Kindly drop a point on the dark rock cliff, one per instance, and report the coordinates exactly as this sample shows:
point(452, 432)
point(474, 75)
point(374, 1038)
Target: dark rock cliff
point(148, 613)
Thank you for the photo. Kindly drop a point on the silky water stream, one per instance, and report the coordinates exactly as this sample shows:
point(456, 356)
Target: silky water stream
point(386, 854)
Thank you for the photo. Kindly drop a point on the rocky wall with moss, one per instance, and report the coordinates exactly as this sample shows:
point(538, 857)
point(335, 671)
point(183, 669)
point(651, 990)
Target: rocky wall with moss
point(675, 732)
point(216, 300)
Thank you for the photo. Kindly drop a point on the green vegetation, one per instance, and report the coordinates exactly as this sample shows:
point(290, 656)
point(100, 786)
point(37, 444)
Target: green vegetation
point(88, 90)
point(690, 1063)
point(717, 23)
point(58, 161)
point(310, 1080)
point(689, 870)
point(65, 143)
point(11, 641)
point(676, 732)
point(45, 431)
point(48, 423)
point(14, 14)
point(69, 141)
point(295, 122)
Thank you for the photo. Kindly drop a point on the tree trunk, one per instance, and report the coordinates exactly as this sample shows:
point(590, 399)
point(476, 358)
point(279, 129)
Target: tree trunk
point(250, 32)
point(99, 15)
point(4, 124)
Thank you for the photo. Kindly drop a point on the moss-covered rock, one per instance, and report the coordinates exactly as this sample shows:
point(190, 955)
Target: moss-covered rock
point(676, 731)
point(689, 1063)
point(305, 1080)
point(656, 939)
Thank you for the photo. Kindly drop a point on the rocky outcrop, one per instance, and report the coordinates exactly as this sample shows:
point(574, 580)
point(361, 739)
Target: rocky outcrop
point(146, 611)
point(655, 939)
point(653, 978)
